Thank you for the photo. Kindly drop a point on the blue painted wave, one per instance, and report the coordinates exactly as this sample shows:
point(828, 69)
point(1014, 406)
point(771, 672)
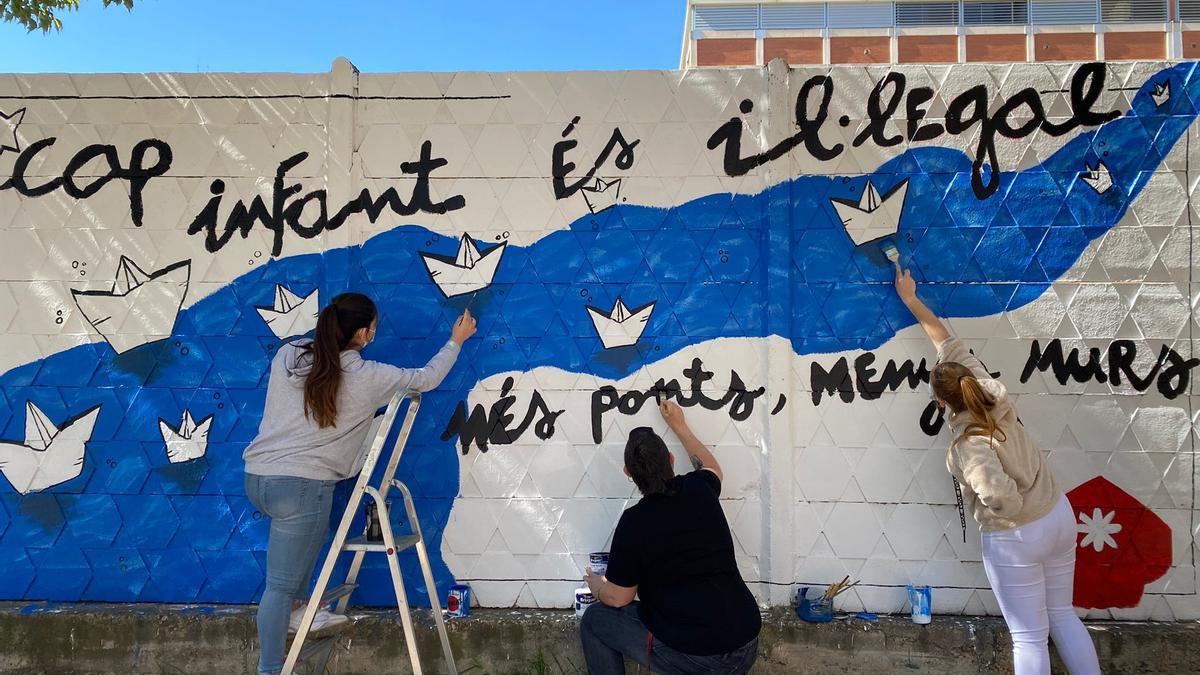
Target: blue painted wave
point(133, 527)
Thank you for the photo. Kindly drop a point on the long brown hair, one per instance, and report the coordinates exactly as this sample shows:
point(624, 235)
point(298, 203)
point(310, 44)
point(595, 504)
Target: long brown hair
point(336, 326)
point(649, 462)
point(954, 384)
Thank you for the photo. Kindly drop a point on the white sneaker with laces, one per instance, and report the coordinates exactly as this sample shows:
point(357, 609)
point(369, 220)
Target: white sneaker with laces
point(323, 620)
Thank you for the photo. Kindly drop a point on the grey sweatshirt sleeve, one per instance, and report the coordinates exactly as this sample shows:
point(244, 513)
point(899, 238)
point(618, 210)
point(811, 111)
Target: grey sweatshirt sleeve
point(389, 379)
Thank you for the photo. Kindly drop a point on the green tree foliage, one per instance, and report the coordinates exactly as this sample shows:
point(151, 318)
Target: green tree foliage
point(43, 14)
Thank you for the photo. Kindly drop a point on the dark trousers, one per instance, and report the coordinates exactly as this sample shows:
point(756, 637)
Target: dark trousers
point(610, 634)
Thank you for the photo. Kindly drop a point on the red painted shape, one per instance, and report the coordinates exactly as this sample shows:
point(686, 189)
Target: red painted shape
point(1134, 546)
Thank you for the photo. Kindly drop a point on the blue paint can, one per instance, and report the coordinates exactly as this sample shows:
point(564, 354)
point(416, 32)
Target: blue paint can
point(598, 561)
point(921, 600)
point(583, 599)
point(459, 602)
point(813, 610)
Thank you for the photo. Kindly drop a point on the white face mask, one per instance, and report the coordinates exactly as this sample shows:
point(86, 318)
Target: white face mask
point(368, 338)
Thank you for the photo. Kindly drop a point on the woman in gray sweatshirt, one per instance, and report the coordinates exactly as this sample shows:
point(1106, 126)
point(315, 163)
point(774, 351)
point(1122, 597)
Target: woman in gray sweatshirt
point(321, 398)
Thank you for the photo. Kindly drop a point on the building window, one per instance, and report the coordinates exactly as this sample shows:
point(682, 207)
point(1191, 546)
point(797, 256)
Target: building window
point(785, 17)
point(911, 13)
point(1134, 11)
point(991, 13)
point(932, 13)
point(1065, 11)
point(723, 17)
point(860, 14)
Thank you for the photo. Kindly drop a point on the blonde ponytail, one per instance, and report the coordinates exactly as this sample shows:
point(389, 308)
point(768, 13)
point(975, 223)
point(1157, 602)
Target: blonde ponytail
point(954, 384)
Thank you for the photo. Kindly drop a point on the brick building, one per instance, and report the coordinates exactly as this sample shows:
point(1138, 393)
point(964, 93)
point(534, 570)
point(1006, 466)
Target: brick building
point(753, 32)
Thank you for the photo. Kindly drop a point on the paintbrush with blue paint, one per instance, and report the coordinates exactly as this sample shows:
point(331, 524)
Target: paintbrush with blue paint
point(889, 249)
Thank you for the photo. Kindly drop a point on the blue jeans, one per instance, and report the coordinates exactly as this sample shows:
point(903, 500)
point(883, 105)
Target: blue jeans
point(299, 512)
point(610, 634)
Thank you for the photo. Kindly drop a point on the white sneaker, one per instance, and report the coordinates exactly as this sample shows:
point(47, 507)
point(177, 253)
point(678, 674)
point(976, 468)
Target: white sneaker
point(323, 620)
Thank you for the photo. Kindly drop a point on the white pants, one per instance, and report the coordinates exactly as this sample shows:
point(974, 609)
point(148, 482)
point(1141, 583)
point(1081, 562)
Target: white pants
point(1032, 571)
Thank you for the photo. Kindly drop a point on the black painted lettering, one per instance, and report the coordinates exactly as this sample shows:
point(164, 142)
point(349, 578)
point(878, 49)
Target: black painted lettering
point(137, 174)
point(932, 419)
point(1064, 369)
point(893, 377)
point(879, 113)
point(286, 212)
point(837, 379)
point(810, 127)
point(1087, 84)
point(1170, 370)
point(741, 400)
point(1121, 354)
point(1174, 380)
point(108, 152)
point(17, 180)
point(963, 113)
point(494, 426)
point(604, 399)
point(561, 167)
point(914, 106)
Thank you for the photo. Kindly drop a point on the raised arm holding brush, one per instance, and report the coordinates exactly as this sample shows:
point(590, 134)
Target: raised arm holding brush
point(1028, 527)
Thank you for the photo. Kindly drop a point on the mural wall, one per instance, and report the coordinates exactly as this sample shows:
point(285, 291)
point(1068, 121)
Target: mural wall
point(714, 236)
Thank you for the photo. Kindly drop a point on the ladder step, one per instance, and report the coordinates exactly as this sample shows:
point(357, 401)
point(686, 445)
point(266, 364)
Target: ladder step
point(361, 544)
point(337, 593)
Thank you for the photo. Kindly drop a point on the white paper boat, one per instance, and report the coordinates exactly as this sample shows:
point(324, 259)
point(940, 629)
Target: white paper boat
point(189, 441)
point(1161, 93)
point(872, 216)
point(466, 272)
point(50, 455)
point(1099, 179)
point(291, 314)
point(601, 194)
point(621, 327)
point(8, 130)
point(140, 308)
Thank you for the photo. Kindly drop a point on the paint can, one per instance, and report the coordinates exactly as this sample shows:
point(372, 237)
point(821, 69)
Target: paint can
point(583, 600)
point(921, 600)
point(459, 602)
point(374, 530)
point(813, 610)
point(598, 561)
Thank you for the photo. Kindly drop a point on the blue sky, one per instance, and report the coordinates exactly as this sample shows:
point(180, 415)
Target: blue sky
point(376, 35)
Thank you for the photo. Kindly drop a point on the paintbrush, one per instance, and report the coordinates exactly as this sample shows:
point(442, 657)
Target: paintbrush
point(890, 250)
point(838, 588)
point(835, 589)
point(843, 589)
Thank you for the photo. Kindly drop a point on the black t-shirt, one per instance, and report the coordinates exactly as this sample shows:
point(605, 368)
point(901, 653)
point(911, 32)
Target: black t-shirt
point(678, 551)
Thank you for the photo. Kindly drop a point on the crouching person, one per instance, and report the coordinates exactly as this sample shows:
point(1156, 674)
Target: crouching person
point(673, 550)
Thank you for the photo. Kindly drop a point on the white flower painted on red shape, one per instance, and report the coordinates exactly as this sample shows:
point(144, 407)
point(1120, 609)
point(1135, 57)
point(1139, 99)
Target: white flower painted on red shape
point(1123, 546)
point(1098, 530)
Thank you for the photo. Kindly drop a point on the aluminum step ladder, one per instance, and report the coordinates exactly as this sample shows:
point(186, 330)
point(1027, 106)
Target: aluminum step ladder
point(318, 650)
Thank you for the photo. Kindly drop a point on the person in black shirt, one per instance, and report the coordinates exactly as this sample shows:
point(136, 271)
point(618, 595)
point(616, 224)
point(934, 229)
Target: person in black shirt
point(673, 549)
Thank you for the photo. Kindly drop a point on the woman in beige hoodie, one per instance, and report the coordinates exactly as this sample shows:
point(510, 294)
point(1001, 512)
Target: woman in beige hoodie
point(1027, 525)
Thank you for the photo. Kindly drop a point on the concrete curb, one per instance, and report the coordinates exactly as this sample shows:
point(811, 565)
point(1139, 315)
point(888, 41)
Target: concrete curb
point(220, 640)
